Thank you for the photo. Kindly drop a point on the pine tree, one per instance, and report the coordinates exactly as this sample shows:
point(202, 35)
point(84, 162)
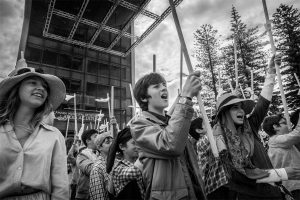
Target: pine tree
point(250, 54)
point(206, 47)
point(286, 31)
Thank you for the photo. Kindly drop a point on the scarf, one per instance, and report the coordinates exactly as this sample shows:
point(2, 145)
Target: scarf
point(238, 143)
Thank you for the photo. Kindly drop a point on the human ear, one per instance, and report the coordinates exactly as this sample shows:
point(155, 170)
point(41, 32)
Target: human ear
point(275, 127)
point(144, 100)
point(121, 147)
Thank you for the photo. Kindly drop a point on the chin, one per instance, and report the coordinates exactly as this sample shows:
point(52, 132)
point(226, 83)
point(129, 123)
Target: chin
point(239, 123)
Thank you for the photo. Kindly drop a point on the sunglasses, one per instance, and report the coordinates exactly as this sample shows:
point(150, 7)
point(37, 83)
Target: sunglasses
point(26, 70)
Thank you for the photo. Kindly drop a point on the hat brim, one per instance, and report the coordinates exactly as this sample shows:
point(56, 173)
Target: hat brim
point(231, 102)
point(57, 88)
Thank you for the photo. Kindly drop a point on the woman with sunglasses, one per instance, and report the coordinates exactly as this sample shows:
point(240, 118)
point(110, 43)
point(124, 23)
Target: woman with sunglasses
point(33, 163)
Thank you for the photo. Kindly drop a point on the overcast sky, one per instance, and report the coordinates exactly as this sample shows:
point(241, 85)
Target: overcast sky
point(163, 41)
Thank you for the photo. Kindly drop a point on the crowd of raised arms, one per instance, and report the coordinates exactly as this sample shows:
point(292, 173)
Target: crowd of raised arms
point(158, 155)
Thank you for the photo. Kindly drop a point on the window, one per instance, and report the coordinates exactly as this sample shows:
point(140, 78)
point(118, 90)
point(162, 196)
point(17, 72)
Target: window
point(115, 72)
point(33, 54)
point(120, 92)
point(123, 73)
point(50, 57)
point(91, 89)
point(65, 61)
point(104, 69)
point(72, 86)
point(77, 63)
point(92, 67)
point(103, 90)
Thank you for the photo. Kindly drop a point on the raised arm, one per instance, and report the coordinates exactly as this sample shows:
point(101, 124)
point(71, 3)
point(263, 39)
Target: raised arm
point(262, 106)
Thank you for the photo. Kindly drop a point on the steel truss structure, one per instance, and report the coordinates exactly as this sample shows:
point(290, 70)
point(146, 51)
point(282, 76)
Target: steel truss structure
point(137, 10)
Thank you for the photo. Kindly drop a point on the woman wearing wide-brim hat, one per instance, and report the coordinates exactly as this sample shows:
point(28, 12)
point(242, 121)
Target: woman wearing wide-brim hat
point(242, 156)
point(33, 163)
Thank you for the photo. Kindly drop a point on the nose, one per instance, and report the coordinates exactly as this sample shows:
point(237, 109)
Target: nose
point(241, 110)
point(163, 88)
point(40, 86)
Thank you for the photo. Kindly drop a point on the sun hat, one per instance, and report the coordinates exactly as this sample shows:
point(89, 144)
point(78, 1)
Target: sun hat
point(229, 99)
point(56, 86)
point(101, 137)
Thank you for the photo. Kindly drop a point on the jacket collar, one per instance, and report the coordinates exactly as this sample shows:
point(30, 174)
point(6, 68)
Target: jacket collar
point(152, 118)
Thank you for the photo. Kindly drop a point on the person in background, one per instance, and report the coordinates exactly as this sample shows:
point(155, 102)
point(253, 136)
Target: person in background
point(33, 161)
point(282, 150)
point(75, 149)
point(127, 181)
point(85, 160)
point(99, 178)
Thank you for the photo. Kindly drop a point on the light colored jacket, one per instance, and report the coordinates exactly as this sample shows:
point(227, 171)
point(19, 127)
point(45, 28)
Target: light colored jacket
point(41, 164)
point(164, 152)
point(283, 153)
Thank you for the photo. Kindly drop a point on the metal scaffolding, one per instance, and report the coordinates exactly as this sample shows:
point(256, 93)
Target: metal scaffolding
point(137, 10)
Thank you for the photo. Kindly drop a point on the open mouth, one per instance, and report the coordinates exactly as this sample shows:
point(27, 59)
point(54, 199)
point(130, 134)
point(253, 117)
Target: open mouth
point(164, 96)
point(241, 117)
point(38, 95)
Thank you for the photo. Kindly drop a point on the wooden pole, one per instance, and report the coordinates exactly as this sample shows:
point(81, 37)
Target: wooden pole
point(296, 77)
point(242, 91)
point(235, 64)
point(219, 77)
point(112, 109)
point(154, 63)
point(297, 82)
point(181, 68)
point(67, 129)
point(252, 85)
point(75, 116)
point(108, 104)
point(268, 27)
point(190, 68)
point(132, 100)
point(112, 101)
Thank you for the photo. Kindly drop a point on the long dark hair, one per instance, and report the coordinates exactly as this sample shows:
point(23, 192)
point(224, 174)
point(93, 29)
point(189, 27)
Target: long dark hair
point(122, 138)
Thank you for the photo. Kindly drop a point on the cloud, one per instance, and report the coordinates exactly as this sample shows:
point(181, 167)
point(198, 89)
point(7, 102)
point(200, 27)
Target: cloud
point(192, 14)
point(11, 26)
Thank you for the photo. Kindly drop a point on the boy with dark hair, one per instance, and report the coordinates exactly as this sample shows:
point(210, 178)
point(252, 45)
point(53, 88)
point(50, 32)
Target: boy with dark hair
point(282, 150)
point(169, 162)
point(127, 181)
point(84, 162)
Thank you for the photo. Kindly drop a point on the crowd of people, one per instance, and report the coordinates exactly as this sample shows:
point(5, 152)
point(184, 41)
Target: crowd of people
point(157, 156)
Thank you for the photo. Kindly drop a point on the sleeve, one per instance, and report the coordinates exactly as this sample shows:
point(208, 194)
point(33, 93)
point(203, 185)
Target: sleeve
point(97, 188)
point(59, 174)
point(287, 140)
point(84, 163)
point(164, 142)
point(263, 103)
point(71, 158)
point(126, 174)
point(203, 151)
point(293, 173)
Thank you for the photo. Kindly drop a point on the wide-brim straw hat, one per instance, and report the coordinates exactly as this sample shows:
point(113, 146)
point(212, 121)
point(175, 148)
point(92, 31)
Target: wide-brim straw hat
point(57, 89)
point(228, 99)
